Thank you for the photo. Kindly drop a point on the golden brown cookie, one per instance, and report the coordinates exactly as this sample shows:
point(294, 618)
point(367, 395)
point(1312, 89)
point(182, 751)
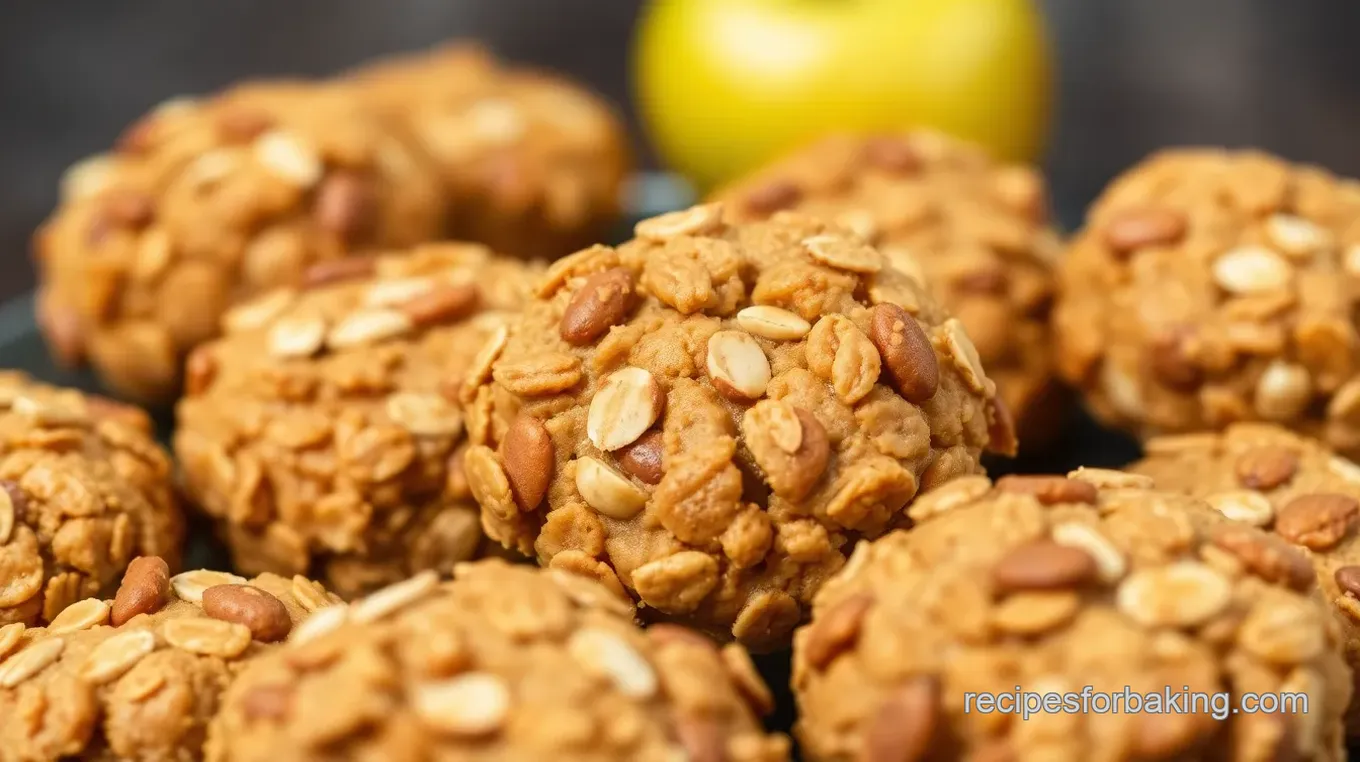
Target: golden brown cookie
point(974, 230)
point(1086, 589)
point(1296, 487)
point(503, 663)
point(84, 489)
point(323, 430)
point(711, 415)
point(204, 203)
point(1211, 287)
point(139, 676)
point(533, 163)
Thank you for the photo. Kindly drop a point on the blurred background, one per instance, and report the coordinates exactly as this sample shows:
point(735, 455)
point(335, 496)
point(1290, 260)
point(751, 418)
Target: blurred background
point(1132, 75)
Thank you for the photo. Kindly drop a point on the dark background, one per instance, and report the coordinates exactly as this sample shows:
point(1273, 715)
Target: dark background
point(1134, 74)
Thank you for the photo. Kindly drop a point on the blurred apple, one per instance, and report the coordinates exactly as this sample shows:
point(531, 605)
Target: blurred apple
point(725, 85)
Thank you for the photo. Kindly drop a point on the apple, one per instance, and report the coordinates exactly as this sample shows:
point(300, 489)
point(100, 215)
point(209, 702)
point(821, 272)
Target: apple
point(725, 85)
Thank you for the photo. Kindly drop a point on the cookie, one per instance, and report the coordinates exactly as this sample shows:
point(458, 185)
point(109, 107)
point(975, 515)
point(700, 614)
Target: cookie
point(506, 662)
point(710, 415)
point(205, 203)
point(138, 676)
point(973, 230)
point(1141, 619)
point(534, 164)
point(323, 431)
point(1211, 287)
point(84, 489)
point(1293, 486)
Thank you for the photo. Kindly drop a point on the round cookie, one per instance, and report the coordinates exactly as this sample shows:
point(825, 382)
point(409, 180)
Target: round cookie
point(504, 663)
point(1211, 287)
point(973, 230)
point(1056, 585)
point(1269, 477)
point(84, 489)
point(138, 677)
point(534, 164)
point(710, 416)
point(323, 430)
point(204, 203)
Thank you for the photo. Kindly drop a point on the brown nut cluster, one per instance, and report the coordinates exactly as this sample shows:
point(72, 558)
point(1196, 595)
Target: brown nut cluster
point(533, 165)
point(710, 416)
point(324, 431)
point(84, 489)
point(204, 203)
point(1211, 287)
point(139, 677)
point(973, 230)
point(1266, 476)
point(1051, 585)
point(503, 663)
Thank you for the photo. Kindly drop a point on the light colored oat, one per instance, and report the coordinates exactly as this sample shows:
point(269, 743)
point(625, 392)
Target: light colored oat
point(1107, 478)
point(1248, 270)
point(189, 586)
point(471, 704)
point(1283, 391)
point(112, 659)
point(301, 336)
point(48, 413)
point(323, 621)
point(1033, 613)
point(1296, 236)
point(309, 594)
point(397, 291)
point(369, 327)
point(207, 637)
point(10, 637)
point(904, 261)
point(966, 358)
point(608, 491)
point(737, 365)
point(772, 323)
point(258, 312)
point(1350, 260)
point(861, 222)
point(153, 254)
point(82, 615)
point(1182, 594)
point(6, 516)
point(485, 358)
point(780, 422)
point(1246, 506)
point(610, 656)
point(952, 494)
point(425, 415)
point(289, 157)
point(1287, 633)
point(696, 220)
point(394, 597)
point(626, 404)
point(37, 657)
point(1110, 563)
point(1344, 468)
point(844, 253)
point(88, 177)
point(587, 592)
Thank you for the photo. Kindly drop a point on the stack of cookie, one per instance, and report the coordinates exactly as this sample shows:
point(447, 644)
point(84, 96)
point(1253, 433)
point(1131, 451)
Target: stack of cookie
point(492, 500)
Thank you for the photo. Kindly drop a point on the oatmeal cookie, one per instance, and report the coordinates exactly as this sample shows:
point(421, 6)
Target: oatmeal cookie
point(710, 416)
point(138, 677)
point(534, 164)
point(84, 489)
point(974, 231)
point(1296, 487)
point(204, 203)
point(504, 663)
point(1091, 583)
point(1211, 287)
point(323, 431)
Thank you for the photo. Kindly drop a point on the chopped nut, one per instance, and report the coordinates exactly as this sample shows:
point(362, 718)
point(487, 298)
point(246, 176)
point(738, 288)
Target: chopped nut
point(644, 458)
point(10, 637)
point(905, 724)
point(331, 271)
point(112, 659)
point(603, 301)
point(1252, 270)
point(396, 291)
point(1283, 391)
point(608, 655)
point(966, 358)
point(6, 516)
point(425, 415)
point(1044, 565)
point(626, 404)
point(836, 630)
point(369, 327)
point(737, 365)
point(259, 611)
point(789, 444)
point(1243, 505)
point(259, 312)
point(1105, 478)
point(288, 157)
point(322, 622)
point(1034, 612)
point(1286, 633)
point(844, 253)
point(773, 323)
point(394, 597)
point(1295, 235)
point(1110, 563)
point(144, 590)
point(1265, 468)
point(38, 656)
point(207, 637)
point(189, 586)
point(471, 704)
point(608, 491)
point(83, 615)
point(697, 220)
point(1317, 521)
point(1133, 229)
point(297, 337)
point(1049, 490)
point(1265, 555)
point(486, 357)
point(310, 595)
point(1182, 594)
point(951, 495)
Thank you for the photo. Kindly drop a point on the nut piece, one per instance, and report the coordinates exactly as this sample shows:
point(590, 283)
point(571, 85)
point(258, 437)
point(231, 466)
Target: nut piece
point(258, 312)
point(1110, 563)
point(1265, 468)
point(644, 458)
point(442, 304)
point(12, 634)
point(394, 597)
point(603, 301)
point(1133, 229)
point(1252, 270)
point(605, 654)
point(904, 725)
point(737, 366)
point(696, 220)
point(208, 637)
point(789, 444)
point(369, 327)
point(1245, 506)
point(145, 589)
point(310, 595)
point(425, 415)
point(906, 351)
point(471, 704)
point(264, 615)
point(1266, 556)
point(329, 271)
point(30, 661)
point(6, 516)
point(190, 585)
point(1044, 565)
point(966, 358)
point(844, 253)
point(115, 656)
point(836, 630)
point(289, 158)
point(528, 457)
point(1283, 391)
point(627, 403)
point(1319, 521)
point(1049, 490)
point(81, 615)
point(322, 622)
point(608, 491)
point(772, 323)
point(1295, 235)
point(1183, 594)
